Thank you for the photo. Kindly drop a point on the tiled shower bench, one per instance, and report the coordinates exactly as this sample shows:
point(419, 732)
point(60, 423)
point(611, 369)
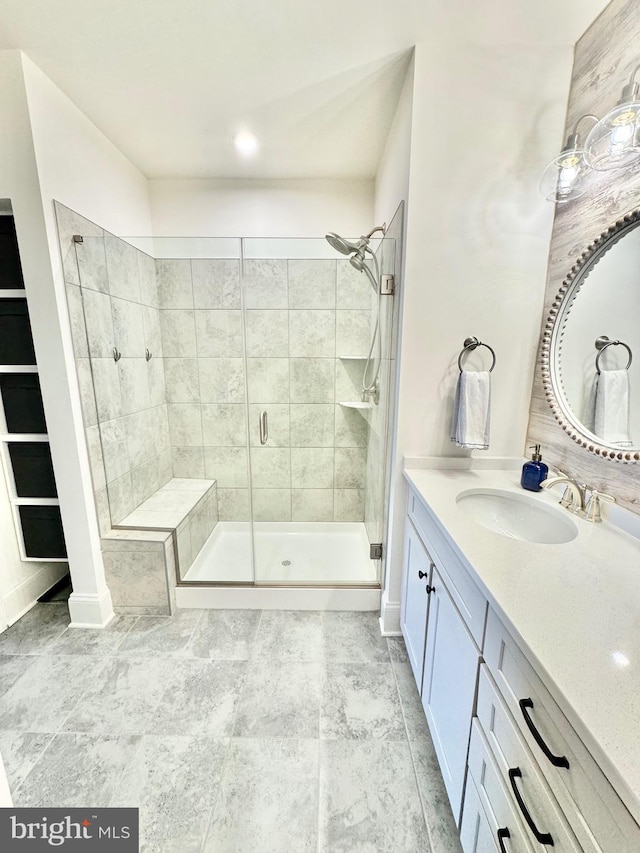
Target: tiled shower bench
point(150, 548)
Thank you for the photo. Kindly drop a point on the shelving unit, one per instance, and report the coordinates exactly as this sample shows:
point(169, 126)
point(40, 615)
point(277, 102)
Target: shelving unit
point(24, 443)
point(356, 405)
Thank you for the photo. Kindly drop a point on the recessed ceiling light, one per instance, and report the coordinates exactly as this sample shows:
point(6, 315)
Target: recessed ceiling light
point(246, 143)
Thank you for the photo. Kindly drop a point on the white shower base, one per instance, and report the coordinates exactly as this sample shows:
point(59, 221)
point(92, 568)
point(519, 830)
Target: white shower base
point(287, 553)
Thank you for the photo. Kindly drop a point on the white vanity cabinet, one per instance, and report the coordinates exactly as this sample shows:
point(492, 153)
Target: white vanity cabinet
point(440, 611)
point(518, 776)
point(448, 687)
point(415, 599)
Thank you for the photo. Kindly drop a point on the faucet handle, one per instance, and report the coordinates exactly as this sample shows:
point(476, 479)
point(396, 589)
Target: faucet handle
point(592, 510)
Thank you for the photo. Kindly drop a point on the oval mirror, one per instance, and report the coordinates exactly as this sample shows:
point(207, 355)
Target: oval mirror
point(591, 346)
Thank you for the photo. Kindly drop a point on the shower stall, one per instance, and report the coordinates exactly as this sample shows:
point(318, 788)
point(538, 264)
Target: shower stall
point(263, 366)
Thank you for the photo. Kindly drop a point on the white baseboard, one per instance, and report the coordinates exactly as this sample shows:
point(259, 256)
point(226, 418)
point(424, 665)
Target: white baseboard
point(92, 610)
point(22, 598)
point(390, 618)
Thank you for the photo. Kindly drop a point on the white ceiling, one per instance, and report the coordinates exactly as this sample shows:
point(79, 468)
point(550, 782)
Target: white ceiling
point(171, 81)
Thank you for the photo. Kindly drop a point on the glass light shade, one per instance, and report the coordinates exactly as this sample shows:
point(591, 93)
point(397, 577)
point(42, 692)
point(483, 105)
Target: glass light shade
point(562, 180)
point(615, 141)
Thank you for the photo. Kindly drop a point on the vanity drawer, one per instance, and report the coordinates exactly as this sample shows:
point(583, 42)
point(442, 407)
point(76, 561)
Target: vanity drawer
point(596, 814)
point(520, 772)
point(488, 807)
point(470, 602)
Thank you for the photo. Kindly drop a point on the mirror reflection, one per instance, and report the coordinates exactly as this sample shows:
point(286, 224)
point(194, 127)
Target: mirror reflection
point(599, 336)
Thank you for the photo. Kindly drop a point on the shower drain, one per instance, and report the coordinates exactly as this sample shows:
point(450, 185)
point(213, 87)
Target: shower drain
point(285, 563)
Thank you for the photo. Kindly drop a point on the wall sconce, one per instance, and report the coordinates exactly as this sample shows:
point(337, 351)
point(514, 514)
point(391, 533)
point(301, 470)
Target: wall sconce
point(615, 140)
point(562, 179)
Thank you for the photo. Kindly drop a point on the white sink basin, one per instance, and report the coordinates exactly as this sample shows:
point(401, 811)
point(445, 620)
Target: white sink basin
point(518, 516)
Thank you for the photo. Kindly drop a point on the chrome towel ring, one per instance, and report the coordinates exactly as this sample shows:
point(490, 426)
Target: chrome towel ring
point(603, 342)
point(469, 345)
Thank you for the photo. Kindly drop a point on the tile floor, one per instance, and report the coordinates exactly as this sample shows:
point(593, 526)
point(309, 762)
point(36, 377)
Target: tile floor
point(264, 732)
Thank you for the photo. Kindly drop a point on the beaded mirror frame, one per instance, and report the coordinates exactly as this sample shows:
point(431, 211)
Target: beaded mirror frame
point(552, 338)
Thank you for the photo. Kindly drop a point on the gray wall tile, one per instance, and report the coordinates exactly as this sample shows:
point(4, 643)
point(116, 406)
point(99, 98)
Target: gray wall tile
point(312, 504)
point(181, 380)
point(219, 334)
point(128, 327)
point(312, 380)
point(312, 284)
point(268, 380)
point(122, 268)
point(350, 467)
point(312, 425)
point(271, 467)
point(178, 333)
point(224, 425)
point(312, 467)
point(312, 334)
point(100, 332)
point(228, 466)
point(185, 424)
point(221, 380)
point(265, 283)
point(216, 283)
point(354, 289)
point(233, 504)
point(174, 283)
point(267, 334)
point(187, 461)
point(272, 504)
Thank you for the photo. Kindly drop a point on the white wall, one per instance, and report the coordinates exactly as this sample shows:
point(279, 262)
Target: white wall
point(477, 240)
point(243, 208)
point(20, 583)
point(392, 187)
point(50, 150)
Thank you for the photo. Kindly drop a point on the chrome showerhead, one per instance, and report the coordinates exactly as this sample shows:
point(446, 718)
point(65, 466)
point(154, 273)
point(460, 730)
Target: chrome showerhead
point(345, 247)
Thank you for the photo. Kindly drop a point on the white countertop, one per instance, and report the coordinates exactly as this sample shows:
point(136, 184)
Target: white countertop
point(574, 609)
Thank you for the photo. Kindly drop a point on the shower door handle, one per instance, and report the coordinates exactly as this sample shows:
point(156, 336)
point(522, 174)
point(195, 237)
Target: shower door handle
point(264, 428)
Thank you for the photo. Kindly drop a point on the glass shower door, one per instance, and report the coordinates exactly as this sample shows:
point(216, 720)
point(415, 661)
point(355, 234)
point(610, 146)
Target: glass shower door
point(308, 325)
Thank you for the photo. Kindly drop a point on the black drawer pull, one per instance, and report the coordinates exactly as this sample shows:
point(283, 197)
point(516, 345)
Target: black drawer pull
point(542, 837)
point(502, 834)
point(556, 760)
point(430, 589)
point(422, 574)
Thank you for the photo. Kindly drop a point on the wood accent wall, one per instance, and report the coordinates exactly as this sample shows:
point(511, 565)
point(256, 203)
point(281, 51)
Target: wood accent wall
point(604, 58)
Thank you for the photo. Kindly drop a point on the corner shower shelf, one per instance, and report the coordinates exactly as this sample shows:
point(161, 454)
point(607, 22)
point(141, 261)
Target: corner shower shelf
point(352, 357)
point(356, 405)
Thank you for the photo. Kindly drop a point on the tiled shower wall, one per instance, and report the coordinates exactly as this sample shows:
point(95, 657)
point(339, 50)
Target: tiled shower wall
point(126, 418)
point(301, 316)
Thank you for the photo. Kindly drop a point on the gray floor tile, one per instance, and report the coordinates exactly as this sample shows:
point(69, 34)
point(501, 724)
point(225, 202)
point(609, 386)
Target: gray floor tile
point(360, 701)
point(397, 649)
point(13, 667)
point(414, 718)
point(289, 635)
point(201, 697)
point(441, 827)
point(42, 698)
point(351, 637)
point(160, 636)
point(268, 801)
point(369, 799)
point(121, 698)
point(280, 699)
point(76, 770)
point(20, 751)
point(31, 634)
point(225, 634)
point(88, 641)
point(173, 781)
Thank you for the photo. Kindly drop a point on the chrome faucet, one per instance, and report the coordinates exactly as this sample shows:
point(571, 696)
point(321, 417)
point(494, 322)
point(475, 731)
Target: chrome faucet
point(574, 494)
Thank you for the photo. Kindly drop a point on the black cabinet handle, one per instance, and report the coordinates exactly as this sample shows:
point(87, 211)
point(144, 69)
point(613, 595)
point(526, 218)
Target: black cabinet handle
point(430, 589)
point(422, 574)
point(502, 834)
point(556, 760)
point(542, 837)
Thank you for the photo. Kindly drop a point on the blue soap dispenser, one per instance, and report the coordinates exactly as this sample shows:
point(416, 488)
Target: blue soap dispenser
point(534, 472)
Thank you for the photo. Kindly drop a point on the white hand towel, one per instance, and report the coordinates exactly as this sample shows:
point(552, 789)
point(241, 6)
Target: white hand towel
point(611, 418)
point(471, 410)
